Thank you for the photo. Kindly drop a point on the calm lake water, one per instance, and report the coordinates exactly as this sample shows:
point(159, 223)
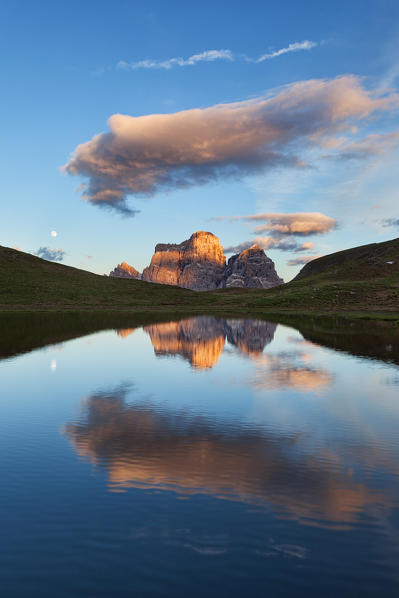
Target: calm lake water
point(205, 457)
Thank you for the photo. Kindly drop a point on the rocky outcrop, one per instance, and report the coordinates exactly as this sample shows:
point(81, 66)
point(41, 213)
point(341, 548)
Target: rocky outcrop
point(251, 269)
point(196, 264)
point(123, 270)
point(199, 264)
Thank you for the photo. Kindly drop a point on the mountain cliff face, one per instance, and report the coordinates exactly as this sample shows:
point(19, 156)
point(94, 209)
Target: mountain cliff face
point(196, 264)
point(199, 264)
point(251, 268)
point(123, 270)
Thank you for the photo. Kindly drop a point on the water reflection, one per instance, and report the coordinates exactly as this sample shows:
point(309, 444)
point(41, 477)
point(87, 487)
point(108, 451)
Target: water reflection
point(200, 340)
point(289, 370)
point(140, 446)
point(250, 462)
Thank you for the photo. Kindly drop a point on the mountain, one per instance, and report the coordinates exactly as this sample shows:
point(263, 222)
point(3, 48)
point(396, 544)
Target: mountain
point(252, 269)
point(196, 264)
point(123, 270)
point(199, 264)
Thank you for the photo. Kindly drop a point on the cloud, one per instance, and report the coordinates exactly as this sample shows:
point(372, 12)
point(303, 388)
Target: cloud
point(390, 222)
point(53, 255)
point(370, 146)
point(300, 223)
point(283, 228)
point(207, 56)
point(301, 261)
point(211, 56)
point(295, 47)
point(282, 244)
point(145, 155)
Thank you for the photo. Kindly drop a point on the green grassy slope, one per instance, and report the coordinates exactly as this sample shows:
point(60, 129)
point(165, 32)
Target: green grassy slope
point(29, 281)
point(356, 280)
point(365, 262)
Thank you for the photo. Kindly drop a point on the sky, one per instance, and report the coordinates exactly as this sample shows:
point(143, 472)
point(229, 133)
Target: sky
point(127, 124)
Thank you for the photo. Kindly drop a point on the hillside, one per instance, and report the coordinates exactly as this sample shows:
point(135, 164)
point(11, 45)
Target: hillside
point(355, 280)
point(366, 261)
point(29, 281)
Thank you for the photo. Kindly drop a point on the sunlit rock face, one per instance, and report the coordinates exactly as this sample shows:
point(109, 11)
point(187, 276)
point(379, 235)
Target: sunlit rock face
point(199, 264)
point(251, 268)
point(123, 270)
point(201, 340)
point(196, 264)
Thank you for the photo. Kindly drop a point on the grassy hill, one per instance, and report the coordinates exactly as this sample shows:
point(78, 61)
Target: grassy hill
point(363, 279)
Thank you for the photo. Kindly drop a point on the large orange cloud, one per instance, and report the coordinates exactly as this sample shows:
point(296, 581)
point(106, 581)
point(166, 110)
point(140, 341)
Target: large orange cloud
point(146, 154)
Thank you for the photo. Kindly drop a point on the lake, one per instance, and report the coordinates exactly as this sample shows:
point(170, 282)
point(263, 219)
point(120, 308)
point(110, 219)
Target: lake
point(200, 457)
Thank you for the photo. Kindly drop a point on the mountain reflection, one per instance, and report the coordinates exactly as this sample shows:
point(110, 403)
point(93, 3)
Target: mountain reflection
point(141, 447)
point(200, 340)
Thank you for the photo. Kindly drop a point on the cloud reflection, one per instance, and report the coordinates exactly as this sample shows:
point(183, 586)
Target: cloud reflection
point(142, 447)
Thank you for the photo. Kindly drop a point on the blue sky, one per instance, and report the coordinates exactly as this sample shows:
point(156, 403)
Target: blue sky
point(62, 81)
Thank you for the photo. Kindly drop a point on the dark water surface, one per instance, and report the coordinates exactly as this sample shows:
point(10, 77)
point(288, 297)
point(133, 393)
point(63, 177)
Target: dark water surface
point(205, 457)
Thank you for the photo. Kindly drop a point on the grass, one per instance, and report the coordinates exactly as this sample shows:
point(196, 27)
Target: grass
point(357, 283)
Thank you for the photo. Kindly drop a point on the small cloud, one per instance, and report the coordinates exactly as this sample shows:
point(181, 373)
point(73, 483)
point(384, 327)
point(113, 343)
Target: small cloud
point(206, 56)
point(53, 255)
point(390, 222)
point(300, 223)
point(369, 147)
point(53, 233)
point(306, 246)
point(283, 228)
point(282, 244)
point(301, 261)
point(295, 47)
point(210, 56)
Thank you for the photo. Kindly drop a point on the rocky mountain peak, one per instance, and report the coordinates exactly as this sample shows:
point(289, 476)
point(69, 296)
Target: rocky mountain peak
point(251, 268)
point(200, 264)
point(197, 263)
point(124, 270)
